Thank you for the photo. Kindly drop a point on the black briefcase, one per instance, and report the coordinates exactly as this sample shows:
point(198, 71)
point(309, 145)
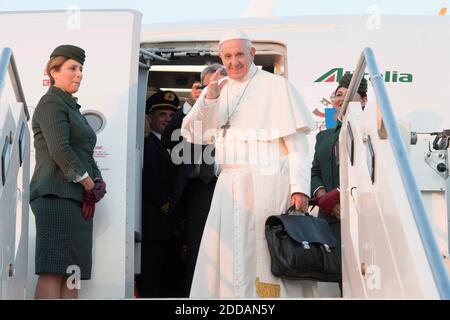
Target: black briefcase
point(302, 247)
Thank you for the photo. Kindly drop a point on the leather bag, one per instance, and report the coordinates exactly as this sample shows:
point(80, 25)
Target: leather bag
point(302, 247)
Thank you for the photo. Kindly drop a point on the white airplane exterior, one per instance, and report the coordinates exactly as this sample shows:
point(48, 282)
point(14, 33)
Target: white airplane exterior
point(385, 252)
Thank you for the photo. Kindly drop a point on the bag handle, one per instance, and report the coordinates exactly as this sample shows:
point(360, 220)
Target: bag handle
point(291, 209)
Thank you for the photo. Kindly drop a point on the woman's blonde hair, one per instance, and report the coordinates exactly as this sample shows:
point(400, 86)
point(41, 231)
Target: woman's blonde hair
point(54, 63)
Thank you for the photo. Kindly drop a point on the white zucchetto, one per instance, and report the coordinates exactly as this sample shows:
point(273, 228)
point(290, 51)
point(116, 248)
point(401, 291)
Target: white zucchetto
point(233, 34)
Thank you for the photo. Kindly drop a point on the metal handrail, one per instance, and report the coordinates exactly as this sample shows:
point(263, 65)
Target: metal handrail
point(8, 64)
point(424, 226)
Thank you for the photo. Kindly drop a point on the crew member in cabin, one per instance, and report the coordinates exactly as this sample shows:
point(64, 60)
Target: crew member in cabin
point(66, 182)
point(258, 122)
point(162, 267)
point(325, 166)
point(195, 179)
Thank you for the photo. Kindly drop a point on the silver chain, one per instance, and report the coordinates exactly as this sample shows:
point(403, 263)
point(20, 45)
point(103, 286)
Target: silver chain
point(239, 100)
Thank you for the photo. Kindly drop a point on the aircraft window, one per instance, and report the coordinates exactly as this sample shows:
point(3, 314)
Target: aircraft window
point(350, 143)
point(370, 159)
point(95, 119)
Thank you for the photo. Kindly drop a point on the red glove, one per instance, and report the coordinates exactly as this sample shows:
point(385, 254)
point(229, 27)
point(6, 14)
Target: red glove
point(329, 200)
point(99, 189)
point(88, 204)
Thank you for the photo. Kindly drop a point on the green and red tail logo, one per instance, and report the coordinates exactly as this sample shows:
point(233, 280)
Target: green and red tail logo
point(336, 74)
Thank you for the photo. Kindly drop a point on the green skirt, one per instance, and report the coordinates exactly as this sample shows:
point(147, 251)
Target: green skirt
point(63, 237)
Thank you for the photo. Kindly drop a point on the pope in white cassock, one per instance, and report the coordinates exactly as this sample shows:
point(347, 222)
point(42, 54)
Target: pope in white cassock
point(258, 123)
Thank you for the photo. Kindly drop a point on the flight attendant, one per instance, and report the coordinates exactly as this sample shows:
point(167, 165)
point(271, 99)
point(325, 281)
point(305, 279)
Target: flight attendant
point(66, 182)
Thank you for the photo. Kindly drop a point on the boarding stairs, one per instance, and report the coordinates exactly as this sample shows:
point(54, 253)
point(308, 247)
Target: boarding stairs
point(394, 200)
point(14, 180)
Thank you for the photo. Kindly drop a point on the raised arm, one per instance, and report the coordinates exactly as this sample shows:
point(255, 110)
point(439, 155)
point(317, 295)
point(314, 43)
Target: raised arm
point(201, 123)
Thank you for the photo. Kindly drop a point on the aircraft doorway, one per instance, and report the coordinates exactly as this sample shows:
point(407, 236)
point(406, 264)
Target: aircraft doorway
point(178, 65)
point(175, 66)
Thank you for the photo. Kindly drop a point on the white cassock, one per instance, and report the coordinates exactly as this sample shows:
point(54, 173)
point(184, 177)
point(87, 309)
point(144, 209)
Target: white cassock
point(262, 160)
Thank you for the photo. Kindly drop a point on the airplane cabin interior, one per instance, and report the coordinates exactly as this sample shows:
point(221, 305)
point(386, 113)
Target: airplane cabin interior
point(176, 66)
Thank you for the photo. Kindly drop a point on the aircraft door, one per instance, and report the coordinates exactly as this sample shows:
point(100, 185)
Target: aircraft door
point(144, 66)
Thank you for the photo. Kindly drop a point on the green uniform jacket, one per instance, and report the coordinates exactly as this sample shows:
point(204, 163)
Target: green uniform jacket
point(64, 144)
point(324, 172)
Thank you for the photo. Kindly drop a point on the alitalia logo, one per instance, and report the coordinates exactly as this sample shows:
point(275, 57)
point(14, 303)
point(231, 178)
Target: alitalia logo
point(336, 74)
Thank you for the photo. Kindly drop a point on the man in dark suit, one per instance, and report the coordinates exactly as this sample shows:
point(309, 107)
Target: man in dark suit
point(162, 269)
point(195, 180)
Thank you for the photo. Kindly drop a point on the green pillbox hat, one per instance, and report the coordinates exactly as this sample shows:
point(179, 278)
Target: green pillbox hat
point(69, 51)
point(345, 82)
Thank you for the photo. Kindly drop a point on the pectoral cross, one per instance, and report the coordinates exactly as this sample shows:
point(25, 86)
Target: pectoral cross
point(225, 127)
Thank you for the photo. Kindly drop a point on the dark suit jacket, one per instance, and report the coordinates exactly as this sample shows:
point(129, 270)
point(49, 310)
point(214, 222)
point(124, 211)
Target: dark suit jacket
point(64, 144)
point(157, 180)
point(324, 171)
point(184, 170)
